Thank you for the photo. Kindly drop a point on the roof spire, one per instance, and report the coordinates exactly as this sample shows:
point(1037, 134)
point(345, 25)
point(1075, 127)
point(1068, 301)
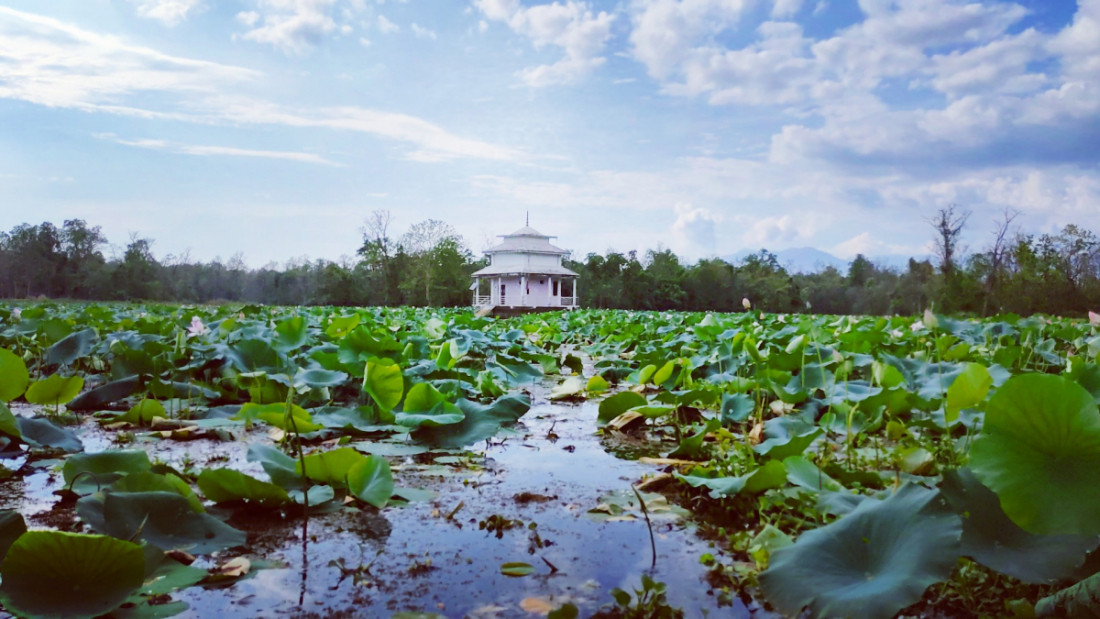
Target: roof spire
point(528, 219)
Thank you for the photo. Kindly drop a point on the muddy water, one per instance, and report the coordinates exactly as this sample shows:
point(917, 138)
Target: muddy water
point(431, 556)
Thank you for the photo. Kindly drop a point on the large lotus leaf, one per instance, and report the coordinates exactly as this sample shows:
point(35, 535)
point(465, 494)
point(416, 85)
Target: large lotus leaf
point(852, 391)
point(13, 375)
point(40, 432)
point(71, 347)
point(90, 472)
point(290, 334)
point(330, 467)
point(143, 412)
point(871, 563)
point(426, 406)
point(12, 526)
point(318, 378)
point(9, 425)
point(275, 414)
point(362, 344)
point(990, 538)
point(164, 519)
point(105, 394)
point(692, 446)
point(481, 422)
point(383, 382)
point(772, 474)
point(371, 480)
point(279, 466)
point(1039, 450)
point(341, 325)
point(54, 389)
point(736, 407)
point(253, 354)
point(1080, 601)
point(58, 574)
point(224, 485)
point(968, 390)
point(617, 404)
point(155, 482)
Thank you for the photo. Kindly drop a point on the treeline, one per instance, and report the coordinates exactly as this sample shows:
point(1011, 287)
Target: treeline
point(431, 265)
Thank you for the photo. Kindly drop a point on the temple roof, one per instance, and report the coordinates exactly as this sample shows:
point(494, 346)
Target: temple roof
point(526, 240)
point(493, 270)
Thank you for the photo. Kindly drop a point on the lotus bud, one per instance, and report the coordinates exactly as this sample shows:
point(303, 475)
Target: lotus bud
point(930, 319)
point(746, 304)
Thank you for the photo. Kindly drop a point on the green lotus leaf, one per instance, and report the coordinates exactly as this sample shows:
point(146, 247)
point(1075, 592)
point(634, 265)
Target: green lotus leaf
point(317, 378)
point(58, 574)
point(426, 406)
point(597, 384)
point(383, 382)
point(773, 474)
point(105, 394)
point(143, 412)
point(481, 421)
point(1039, 451)
point(968, 390)
point(71, 347)
point(41, 432)
point(290, 334)
point(224, 485)
point(517, 569)
point(9, 425)
point(340, 326)
point(281, 468)
point(617, 404)
point(13, 375)
point(1081, 600)
point(155, 482)
point(992, 539)
point(871, 563)
point(330, 467)
point(164, 519)
point(736, 407)
point(275, 415)
point(12, 526)
point(371, 480)
point(92, 472)
point(54, 389)
point(692, 446)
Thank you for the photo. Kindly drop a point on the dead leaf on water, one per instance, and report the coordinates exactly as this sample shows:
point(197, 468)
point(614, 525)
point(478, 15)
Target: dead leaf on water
point(540, 606)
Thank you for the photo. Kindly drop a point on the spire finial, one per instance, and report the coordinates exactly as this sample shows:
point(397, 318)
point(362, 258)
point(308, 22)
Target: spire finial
point(528, 218)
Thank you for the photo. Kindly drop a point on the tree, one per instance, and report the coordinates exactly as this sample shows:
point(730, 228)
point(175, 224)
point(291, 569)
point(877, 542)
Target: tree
point(948, 223)
point(137, 276)
point(84, 271)
point(377, 257)
point(433, 248)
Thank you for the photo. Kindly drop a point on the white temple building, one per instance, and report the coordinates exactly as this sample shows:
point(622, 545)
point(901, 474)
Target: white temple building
point(525, 273)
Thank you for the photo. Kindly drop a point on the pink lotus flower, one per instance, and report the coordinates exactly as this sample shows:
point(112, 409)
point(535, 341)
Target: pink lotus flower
point(196, 328)
point(1094, 319)
point(17, 313)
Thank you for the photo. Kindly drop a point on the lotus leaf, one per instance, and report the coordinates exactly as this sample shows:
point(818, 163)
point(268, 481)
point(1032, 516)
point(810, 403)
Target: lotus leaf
point(426, 406)
point(370, 480)
point(40, 432)
point(1080, 600)
point(224, 485)
point(71, 347)
point(54, 389)
point(164, 519)
point(617, 404)
point(58, 574)
point(871, 563)
point(1039, 451)
point(969, 389)
point(481, 422)
point(330, 467)
point(290, 334)
point(12, 526)
point(383, 382)
point(992, 539)
point(90, 472)
point(13, 375)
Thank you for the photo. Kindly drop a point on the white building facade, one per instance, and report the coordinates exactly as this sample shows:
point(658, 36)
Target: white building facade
point(525, 271)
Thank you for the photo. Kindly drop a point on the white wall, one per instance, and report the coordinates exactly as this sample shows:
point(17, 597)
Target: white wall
point(530, 261)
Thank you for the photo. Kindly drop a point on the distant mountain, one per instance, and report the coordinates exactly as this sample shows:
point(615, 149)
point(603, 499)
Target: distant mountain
point(797, 259)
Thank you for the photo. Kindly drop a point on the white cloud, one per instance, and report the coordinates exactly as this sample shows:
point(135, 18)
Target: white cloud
point(55, 64)
point(786, 8)
point(421, 32)
point(869, 245)
point(387, 26)
point(205, 150)
point(571, 26)
point(482, 26)
point(168, 12)
point(694, 230)
point(292, 26)
point(248, 18)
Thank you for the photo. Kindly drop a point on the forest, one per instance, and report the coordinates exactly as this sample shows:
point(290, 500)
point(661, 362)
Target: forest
point(430, 265)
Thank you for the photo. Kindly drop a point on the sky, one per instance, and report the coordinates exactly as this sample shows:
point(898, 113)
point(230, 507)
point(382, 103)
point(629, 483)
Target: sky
point(271, 129)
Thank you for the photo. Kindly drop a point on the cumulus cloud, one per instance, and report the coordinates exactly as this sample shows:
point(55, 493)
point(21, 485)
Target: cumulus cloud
point(571, 26)
point(386, 26)
point(421, 32)
point(694, 230)
point(167, 12)
point(292, 26)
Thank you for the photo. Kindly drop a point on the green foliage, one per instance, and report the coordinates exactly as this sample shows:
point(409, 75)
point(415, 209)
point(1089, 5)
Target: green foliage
point(57, 574)
point(54, 389)
point(13, 375)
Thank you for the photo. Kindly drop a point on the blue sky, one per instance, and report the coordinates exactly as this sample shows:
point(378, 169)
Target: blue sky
point(272, 128)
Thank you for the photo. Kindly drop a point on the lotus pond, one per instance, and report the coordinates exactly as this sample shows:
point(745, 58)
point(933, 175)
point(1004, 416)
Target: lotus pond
point(158, 460)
